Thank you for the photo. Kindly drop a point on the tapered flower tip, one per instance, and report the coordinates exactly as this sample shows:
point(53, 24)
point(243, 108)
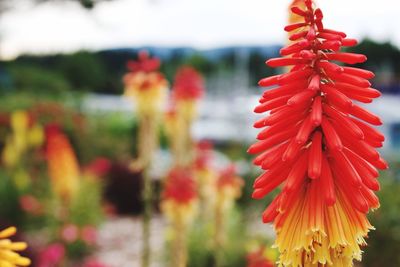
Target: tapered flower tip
point(188, 85)
point(144, 63)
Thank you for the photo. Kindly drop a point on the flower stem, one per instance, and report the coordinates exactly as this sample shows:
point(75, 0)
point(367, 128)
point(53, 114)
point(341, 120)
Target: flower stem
point(148, 210)
point(148, 141)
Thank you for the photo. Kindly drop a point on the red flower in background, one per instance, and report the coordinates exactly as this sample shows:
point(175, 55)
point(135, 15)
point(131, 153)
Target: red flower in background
point(228, 177)
point(144, 63)
point(189, 84)
point(31, 204)
point(258, 259)
point(318, 144)
point(180, 186)
point(99, 167)
point(143, 74)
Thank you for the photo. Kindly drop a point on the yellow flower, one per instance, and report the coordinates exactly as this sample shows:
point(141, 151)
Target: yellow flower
point(20, 124)
point(10, 155)
point(35, 136)
point(8, 250)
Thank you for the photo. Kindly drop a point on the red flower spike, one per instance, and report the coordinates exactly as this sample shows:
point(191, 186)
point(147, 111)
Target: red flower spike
point(180, 186)
point(188, 85)
point(318, 145)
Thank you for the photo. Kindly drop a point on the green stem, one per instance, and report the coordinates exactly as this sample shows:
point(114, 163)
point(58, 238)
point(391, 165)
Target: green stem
point(219, 236)
point(179, 247)
point(147, 145)
point(148, 210)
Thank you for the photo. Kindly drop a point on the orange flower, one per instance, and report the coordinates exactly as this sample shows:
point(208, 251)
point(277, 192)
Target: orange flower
point(63, 166)
point(293, 17)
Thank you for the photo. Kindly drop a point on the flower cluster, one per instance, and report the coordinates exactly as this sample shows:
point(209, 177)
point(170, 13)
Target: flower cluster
point(188, 87)
point(318, 143)
point(8, 249)
point(145, 84)
point(179, 197)
point(62, 163)
point(189, 84)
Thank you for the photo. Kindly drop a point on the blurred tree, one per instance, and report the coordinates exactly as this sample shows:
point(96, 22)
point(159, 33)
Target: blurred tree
point(38, 80)
point(379, 54)
point(201, 63)
point(257, 67)
point(85, 71)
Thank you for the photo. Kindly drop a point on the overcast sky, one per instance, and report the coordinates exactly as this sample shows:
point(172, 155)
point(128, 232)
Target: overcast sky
point(50, 27)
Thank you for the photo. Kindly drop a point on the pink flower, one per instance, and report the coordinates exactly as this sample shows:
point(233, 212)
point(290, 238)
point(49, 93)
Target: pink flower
point(51, 255)
point(93, 263)
point(89, 234)
point(30, 204)
point(69, 233)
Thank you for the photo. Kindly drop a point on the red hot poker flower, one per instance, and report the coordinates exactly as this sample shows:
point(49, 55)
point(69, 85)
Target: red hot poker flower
point(318, 144)
point(189, 84)
point(180, 186)
point(63, 167)
point(144, 63)
point(179, 197)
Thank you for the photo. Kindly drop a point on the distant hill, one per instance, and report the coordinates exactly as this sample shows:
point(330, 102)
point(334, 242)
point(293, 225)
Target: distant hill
point(215, 54)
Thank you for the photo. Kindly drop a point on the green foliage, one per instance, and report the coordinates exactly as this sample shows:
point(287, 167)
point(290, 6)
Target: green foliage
point(379, 55)
point(38, 80)
point(84, 70)
point(86, 208)
point(384, 242)
point(201, 247)
point(9, 199)
point(115, 135)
